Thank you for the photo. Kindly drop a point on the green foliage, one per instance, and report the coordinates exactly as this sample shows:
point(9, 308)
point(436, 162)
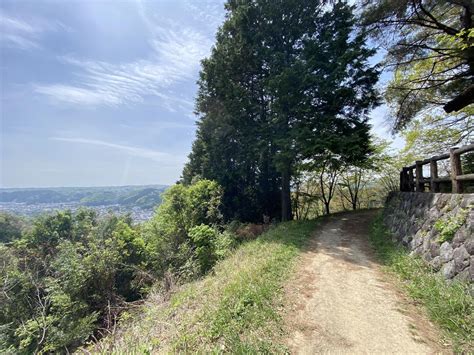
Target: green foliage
point(224, 243)
point(71, 274)
point(431, 52)
point(186, 206)
point(286, 81)
point(448, 226)
point(65, 277)
point(435, 134)
point(168, 233)
point(210, 245)
point(203, 238)
point(11, 227)
point(450, 305)
point(233, 310)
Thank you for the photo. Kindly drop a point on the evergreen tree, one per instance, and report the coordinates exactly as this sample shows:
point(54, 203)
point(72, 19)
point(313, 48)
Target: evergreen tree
point(286, 81)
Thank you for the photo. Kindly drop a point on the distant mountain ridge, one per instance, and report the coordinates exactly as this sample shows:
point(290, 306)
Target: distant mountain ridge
point(145, 196)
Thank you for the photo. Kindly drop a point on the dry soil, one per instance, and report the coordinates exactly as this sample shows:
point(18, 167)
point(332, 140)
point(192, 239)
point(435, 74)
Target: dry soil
point(340, 301)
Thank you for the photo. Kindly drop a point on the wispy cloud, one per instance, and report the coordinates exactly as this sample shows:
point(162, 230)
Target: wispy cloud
point(160, 126)
point(209, 12)
point(175, 54)
point(15, 24)
point(131, 150)
point(25, 34)
point(18, 41)
point(76, 95)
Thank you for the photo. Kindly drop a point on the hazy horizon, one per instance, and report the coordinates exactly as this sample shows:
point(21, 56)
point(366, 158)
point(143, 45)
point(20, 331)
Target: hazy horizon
point(78, 187)
point(101, 93)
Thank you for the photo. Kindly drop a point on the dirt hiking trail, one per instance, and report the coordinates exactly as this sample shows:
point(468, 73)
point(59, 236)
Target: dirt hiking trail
point(339, 301)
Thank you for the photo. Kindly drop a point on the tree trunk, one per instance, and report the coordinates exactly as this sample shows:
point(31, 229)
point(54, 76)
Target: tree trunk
point(297, 199)
point(326, 205)
point(286, 214)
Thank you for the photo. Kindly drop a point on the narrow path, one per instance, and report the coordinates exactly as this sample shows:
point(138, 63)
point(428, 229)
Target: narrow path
point(339, 300)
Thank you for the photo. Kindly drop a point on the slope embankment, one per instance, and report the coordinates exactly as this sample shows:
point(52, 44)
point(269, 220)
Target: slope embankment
point(234, 309)
point(302, 287)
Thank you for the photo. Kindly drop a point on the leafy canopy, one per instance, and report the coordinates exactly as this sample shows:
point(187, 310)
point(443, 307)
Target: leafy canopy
point(430, 48)
point(286, 81)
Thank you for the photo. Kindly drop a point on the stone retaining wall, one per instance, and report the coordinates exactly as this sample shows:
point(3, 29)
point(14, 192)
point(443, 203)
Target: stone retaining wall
point(439, 227)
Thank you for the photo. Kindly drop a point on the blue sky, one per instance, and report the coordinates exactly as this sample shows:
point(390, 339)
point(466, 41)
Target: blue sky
point(101, 92)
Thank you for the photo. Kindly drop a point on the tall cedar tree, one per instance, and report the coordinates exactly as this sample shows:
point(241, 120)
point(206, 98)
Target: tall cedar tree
point(287, 81)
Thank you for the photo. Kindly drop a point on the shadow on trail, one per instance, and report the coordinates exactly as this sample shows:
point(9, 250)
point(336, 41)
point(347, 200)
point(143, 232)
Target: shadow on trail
point(343, 236)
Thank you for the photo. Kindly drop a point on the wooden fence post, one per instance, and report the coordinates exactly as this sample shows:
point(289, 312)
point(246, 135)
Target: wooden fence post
point(404, 182)
point(434, 186)
point(456, 169)
point(420, 185)
point(410, 180)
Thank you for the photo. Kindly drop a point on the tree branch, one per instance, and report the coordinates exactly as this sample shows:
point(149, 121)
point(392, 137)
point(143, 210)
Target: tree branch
point(464, 99)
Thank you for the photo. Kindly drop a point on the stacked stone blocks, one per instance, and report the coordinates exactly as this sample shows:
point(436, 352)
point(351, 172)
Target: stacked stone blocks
point(436, 226)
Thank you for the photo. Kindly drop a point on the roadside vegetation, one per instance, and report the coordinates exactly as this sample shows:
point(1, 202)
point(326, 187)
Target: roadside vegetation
point(283, 104)
point(450, 305)
point(67, 277)
point(234, 309)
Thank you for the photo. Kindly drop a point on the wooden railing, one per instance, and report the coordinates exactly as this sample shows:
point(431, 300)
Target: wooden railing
point(411, 177)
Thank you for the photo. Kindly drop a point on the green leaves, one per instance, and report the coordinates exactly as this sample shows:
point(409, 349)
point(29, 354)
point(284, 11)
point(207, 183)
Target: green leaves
point(183, 227)
point(62, 277)
point(203, 238)
point(286, 81)
point(186, 206)
point(430, 50)
point(72, 273)
point(448, 226)
point(10, 227)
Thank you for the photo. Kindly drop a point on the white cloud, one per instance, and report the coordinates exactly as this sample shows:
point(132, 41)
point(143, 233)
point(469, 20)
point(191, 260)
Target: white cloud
point(76, 95)
point(25, 34)
point(175, 57)
point(159, 126)
point(131, 150)
point(21, 42)
point(382, 127)
point(209, 12)
point(14, 24)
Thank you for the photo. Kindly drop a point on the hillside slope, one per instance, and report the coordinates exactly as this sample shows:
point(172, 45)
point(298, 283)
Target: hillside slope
point(302, 287)
point(234, 309)
point(138, 196)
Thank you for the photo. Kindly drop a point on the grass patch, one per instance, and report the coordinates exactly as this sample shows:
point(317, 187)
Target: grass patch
point(234, 309)
point(448, 226)
point(448, 305)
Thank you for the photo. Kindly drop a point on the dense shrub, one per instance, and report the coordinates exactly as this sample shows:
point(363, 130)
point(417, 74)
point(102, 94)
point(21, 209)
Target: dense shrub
point(168, 233)
point(210, 245)
point(203, 237)
point(70, 275)
point(66, 277)
point(11, 227)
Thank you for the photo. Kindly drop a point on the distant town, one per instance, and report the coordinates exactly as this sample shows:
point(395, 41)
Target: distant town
point(30, 210)
point(138, 201)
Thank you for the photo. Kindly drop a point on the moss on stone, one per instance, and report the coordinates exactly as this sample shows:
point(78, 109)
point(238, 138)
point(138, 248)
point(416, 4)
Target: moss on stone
point(448, 226)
